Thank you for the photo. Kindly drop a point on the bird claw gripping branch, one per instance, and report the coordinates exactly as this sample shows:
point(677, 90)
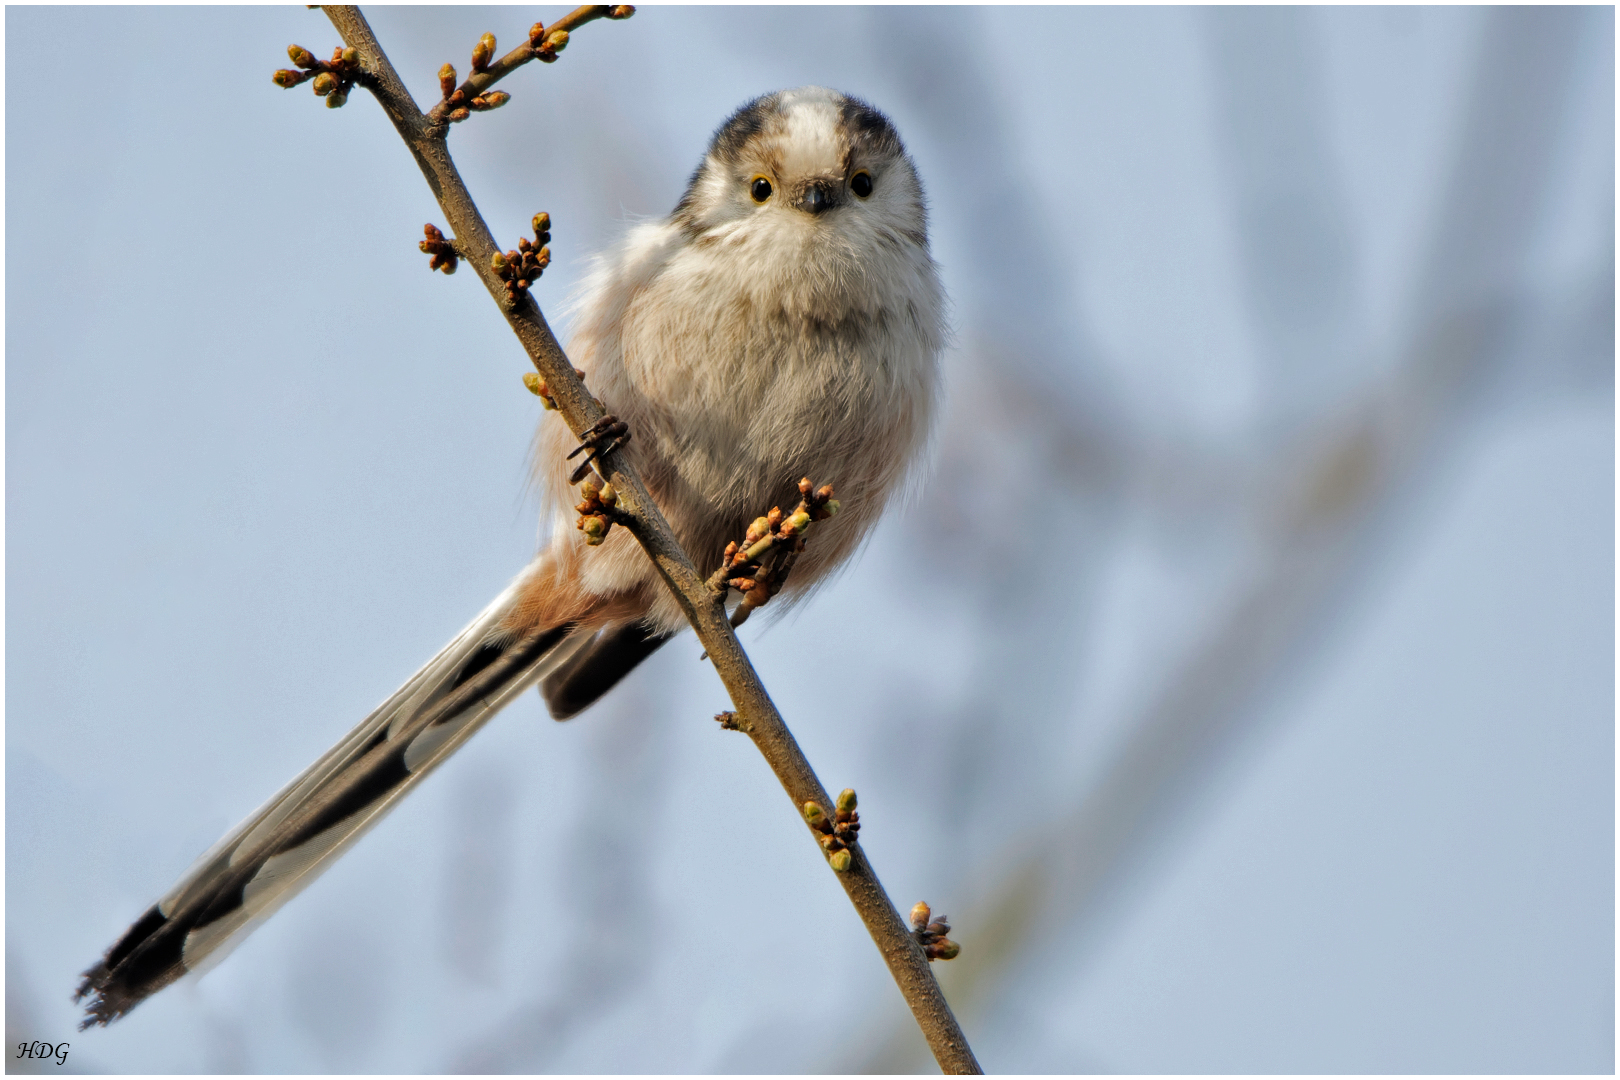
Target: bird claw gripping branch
point(930, 933)
point(836, 833)
point(602, 437)
point(522, 268)
point(333, 78)
point(743, 568)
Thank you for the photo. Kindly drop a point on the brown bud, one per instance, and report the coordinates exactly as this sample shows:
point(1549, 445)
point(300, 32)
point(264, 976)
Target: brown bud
point(458, 115)
point(840, 862)
point(324, 84)
point(774, 518)
point(825, 493)
point(301, 56)
point(805, 486)
point(542, 223)
point(944, 950)
point(286, 78)
point(482, 52)
point(537, 34)
point(622, 11)
point(447, 80)
point(920, 915)
point(846, 801)
point(448, 265)
point(495, 100)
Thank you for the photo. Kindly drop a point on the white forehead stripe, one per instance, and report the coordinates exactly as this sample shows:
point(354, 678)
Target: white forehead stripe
point(810, 142)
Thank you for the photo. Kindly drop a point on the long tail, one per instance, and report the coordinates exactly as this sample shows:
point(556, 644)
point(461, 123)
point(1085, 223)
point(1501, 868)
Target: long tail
point(286, 843)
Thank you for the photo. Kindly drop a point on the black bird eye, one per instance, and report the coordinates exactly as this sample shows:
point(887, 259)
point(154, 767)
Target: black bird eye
point(861, 183)
point(760, 188)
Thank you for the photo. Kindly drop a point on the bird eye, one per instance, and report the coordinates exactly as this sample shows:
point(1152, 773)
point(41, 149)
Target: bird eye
point(760, 188)
point(861, 183)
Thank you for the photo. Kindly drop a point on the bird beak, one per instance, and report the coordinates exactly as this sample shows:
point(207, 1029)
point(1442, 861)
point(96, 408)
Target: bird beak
point(817, 196)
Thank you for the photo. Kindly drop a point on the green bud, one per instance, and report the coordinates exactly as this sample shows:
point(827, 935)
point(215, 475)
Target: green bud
point(595, 526)
point(286, 79)
point(832, 507)
point(497, 262)
point(301, 56)
point(541, 223)
point(531, 379)
point(351, 56)
point(558, 40)
point(947, 950)
point(846, 801)
point(841, 859)
point(815, 815)
point(337, 99)
point(324, 84)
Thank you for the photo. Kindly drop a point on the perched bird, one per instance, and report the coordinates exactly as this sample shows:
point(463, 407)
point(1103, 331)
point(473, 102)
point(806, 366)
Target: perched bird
point(784, 321)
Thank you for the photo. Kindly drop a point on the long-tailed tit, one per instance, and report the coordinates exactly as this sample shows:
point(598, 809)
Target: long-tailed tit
point(784, 321)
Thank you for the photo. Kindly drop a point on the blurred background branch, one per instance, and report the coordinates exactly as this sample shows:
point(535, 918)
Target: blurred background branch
point(1283, 741)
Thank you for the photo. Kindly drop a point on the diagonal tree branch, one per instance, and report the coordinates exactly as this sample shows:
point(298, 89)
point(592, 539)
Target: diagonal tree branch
point(703, 606)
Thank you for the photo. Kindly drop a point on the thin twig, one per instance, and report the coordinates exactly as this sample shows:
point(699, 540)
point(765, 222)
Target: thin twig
point(703, 607)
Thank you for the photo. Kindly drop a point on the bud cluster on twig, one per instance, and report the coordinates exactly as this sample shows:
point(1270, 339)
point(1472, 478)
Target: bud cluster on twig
point(598, 512)
point(836, 833)
point(460, 102)
point(537, 386)
point(333, 78)
point(930, 932)
point(440, 247)
point(522, 268)
point(742, 568)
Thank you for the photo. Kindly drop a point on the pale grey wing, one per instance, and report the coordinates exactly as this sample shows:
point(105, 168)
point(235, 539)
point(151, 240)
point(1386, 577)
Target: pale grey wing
point(287, 842)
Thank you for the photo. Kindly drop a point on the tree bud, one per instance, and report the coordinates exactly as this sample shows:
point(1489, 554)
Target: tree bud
point(537, 34)
point(846, 801)
point(542, 223)
point(840, 861)
point(558, 40)
point(496, 100)
point(286, 78)
point(622, 11)
point(595, 525)
point(447, 80)
point(351, 57)
point(832, 507)
point(536, 385)
point(482, 52)
point(337, 99)
point(497, 263)
point(324, 84)
point(920, 915)
point(301, 56)
point(945, 950)
point(815, 815)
